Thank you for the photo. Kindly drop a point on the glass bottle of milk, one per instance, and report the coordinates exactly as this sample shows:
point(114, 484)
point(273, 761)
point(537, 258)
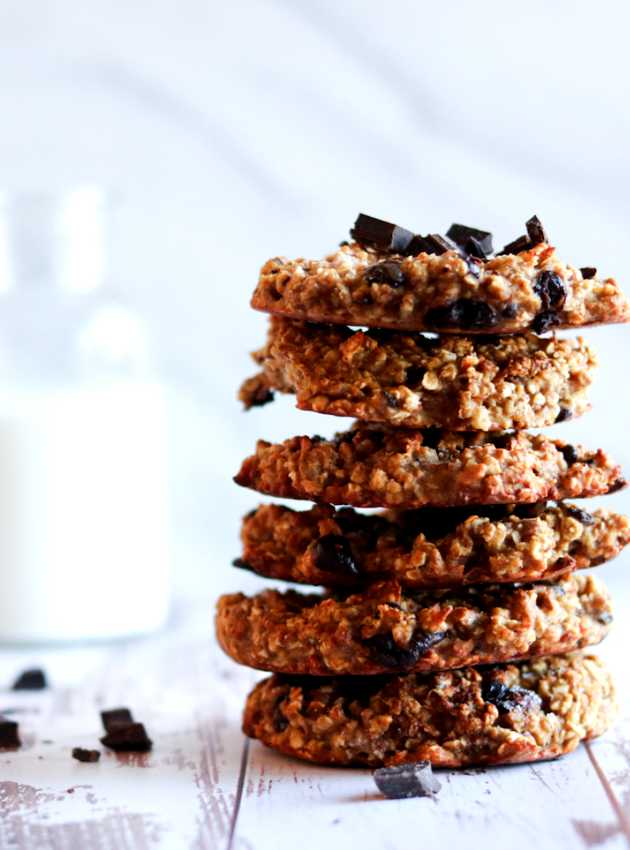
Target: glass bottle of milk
point(84, 548)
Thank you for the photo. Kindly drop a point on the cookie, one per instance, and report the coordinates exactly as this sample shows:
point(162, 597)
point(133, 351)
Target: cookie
point(532, 290)
point(429, 548)
point(399, 468)
point(503, 714)
point(385, 628)
point(457, 383)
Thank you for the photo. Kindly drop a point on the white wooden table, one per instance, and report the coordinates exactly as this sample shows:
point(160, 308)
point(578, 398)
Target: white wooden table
point(204, 786)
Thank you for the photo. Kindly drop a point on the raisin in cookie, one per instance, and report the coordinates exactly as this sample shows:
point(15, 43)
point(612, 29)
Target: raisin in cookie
point(428, 548)
point(457, 383)
point(400, 468)
point(385, 628)
point(532, 290)
point(503, 714)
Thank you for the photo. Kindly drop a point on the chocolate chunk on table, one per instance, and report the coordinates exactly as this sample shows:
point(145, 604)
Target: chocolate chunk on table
point(127, 737)
point(9, 736)
point(30, 680)
point(407, 780)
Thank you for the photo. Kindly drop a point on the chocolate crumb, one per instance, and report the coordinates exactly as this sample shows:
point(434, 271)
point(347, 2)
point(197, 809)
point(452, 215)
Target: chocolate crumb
point(88, 756)
point(564, 414)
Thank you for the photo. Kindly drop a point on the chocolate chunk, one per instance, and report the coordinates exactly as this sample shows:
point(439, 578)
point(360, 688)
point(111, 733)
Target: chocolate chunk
point(605, 618)
point(9, 736)
point(127, 738)
point(389, 654)
point(332, 554)
point(502, 441)
point(465, 313)
point(536, 231)
point(580, 515)
point(391, 400)
point(520, 244)
point(30, 680)
point(388, 272)
point(278, 719)
point(263, 395)
point(114, 716)
point(418, 245)
point(564, 414)
point(545, 321)
point(466, 237)
point(510, 311)
point(473, 249)
point(569, 453)
point(618, 485)
point(588, 272)
point(510, 699)
point(373, 231)
point(433, 243)
point(438, 244)
point(551, 290)
point(81, 754)
point(414, 375)
point(407, 780)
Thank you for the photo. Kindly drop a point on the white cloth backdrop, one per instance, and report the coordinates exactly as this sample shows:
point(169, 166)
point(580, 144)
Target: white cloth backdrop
point(231, 132)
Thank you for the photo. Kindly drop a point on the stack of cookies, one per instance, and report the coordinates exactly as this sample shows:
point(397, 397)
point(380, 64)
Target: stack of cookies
point(452, 622)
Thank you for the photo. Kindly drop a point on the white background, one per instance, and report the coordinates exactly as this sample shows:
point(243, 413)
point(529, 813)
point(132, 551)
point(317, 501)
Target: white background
point(232, 132)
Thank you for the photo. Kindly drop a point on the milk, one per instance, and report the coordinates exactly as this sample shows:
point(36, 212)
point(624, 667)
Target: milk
point(84, 539)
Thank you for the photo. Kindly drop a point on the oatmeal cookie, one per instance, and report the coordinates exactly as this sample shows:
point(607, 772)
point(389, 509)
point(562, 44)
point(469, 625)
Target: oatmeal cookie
point(458, 383)
point(399, 468)
point(503, 714)
point(385, 628)
point(532, 290)
point(429, 548)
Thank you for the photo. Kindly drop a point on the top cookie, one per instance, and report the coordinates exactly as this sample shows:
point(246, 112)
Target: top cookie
point(389, 278)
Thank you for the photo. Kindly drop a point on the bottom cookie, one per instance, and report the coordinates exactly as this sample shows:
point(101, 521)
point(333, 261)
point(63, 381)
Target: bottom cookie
point(499, 714)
